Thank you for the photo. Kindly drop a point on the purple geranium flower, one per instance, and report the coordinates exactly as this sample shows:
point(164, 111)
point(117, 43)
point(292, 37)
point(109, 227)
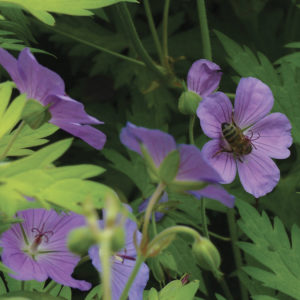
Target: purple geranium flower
point(37, 248)
point(246, 138)
point(192, 166)
point(48, 88)
point(203, 77)
point(122, 264)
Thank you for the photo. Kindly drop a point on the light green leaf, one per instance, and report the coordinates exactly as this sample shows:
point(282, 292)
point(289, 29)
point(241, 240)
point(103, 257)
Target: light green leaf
point(4, 269)
point(97, 290)
point(271, 247)
point(26, 295)
point(175, 290)
point(41, 9)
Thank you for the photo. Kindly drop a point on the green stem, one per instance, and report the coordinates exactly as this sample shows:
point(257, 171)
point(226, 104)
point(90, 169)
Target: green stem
point(140, 259)
point(236, 251)
point(154, 198)
point(136, 42)
point(226, 289)
point(51, 285)
point(153, 221)
point(165, 32)
point(191, 129)
point(204, 29)
point(12, 140)
point(203, 218)
point(104, 254)
point(93, 45)
point(22, 285)
point(174, 230)
point(153, 30)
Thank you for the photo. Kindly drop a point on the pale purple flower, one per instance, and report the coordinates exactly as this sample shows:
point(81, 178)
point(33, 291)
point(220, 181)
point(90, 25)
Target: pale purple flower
point(37, 248)
point(158, 215)
point(192, 167)
point(269, 136)
point(48, 88)
point(122, 264)
point(203, 77)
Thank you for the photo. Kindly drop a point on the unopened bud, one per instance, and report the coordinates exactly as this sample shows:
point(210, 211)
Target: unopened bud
point(188, 102)
point(35, 114)
point(118, 239)
point(80, 240)
point(207, 255)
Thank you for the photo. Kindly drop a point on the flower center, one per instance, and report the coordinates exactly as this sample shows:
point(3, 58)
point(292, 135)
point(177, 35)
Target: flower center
point(40, 236)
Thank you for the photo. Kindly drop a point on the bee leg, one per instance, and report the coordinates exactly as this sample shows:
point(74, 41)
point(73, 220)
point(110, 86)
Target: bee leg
point(220, 151)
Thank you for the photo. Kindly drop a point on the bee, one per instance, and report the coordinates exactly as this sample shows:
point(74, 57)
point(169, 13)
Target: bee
point(239, 143)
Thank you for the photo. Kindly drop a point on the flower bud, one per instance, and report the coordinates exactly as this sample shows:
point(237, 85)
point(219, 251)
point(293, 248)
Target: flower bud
point(207, 255)
point(160, 245)
point(118, 239)
point(35, 114)
point(188, 102)
point(80, 240)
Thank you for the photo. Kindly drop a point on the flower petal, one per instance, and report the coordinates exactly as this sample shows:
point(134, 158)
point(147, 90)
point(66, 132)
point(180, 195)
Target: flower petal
point(158, 143)
point(272, 136)
point(253, 101)
point(39, 81)
point(212, 111)
point(258, 173)
point(215, 192)
point(60, 266)
point(193, 167)
point(10, 64)
point(120, 275)
point(222, 162)
point(203, 77)
point(89, 134)
point(69, 110)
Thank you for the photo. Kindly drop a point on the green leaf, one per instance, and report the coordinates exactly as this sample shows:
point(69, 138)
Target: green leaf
point(271, 248)
point(77, 8)
point(26, 295)
point(169, 167)
point(4, 269)
point(175, 290)
point(95, 291)
point(27, 138)
point(39, 159)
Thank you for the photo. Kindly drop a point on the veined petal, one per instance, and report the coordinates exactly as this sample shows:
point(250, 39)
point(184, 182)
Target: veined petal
point(215, 192)
point(222, 162)
point(60, 266)
point(157, 143)
point(253, 101)
point(212, 111)
point(39, 81)
point(69, 110)
point(120, 275)
point(203, 77)
point(24, 266)
point(10, 64)
point(89, 134)
point(272, 136)
point(258, 173)
point(193, 167)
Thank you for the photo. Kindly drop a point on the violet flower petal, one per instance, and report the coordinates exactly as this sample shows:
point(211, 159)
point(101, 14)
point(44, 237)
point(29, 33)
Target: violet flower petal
point(272, 136)
point(87, 133)
point(67, 109)
point(38, 81)
point(158, 143)
point(52, 258)
point(203, 77)
point(222, 162)
point(253, 101)
point(193, 167)
point(212, 111)
point(258, 173)
point(215, 192)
